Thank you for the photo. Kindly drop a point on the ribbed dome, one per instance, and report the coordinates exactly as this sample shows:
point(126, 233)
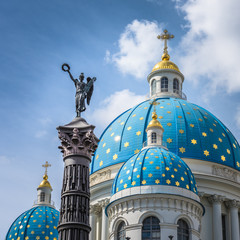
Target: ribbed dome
point(165, 64)
point(189, 131)
point(154, 166)
point(38, 223)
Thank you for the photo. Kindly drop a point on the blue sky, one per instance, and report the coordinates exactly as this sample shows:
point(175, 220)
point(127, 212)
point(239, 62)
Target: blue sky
point(116, 42)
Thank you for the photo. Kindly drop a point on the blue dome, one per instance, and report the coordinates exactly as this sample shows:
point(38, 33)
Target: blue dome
point(38, 223)
point(154, 166)
point(189, 131)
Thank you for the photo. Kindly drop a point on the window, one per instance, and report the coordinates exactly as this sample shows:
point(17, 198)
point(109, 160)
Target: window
point(182, 230)
point(153, 86)
point(42, 197)
point(154, 137)
point(164, 84)
point(175, 86)
point(121, 231)
point(151, 229)
point(224, 227)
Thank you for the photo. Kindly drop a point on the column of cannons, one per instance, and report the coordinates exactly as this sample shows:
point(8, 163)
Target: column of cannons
point(78, 143)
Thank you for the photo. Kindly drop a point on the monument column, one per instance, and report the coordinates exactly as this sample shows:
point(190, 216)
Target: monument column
point(217, 216)
point(234, 205)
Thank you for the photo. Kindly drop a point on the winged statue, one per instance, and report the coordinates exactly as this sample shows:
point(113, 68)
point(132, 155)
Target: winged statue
point(83, 90)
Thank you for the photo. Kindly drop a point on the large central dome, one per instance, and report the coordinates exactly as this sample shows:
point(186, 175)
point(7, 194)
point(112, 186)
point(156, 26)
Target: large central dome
point(189, 131)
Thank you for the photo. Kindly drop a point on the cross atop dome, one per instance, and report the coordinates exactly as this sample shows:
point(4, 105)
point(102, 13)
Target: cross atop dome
point(46, 165)
point(165, 36)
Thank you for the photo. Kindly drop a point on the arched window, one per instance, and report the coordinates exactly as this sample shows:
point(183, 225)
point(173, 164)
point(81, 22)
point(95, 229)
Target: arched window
point(151, 229)
point(42, 197)
point(182, 230)
point(154, 137)
point(153, 86)
point(175, 85)
point(164, 84)
point(121, 234)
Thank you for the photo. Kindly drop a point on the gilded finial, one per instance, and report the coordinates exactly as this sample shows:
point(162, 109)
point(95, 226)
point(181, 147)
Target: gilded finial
point(154, 122)
point(45, 182)
point(165, 36)
point(46, 165)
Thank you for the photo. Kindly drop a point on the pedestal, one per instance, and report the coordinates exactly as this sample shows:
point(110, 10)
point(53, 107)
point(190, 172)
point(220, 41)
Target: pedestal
point(78, 144)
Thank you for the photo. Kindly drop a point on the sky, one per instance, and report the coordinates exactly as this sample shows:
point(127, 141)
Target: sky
point(115, 41)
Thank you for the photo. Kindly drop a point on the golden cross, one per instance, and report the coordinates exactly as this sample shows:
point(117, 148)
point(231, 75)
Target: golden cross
point(46, 165)
point(165, 36)
point(154, 103)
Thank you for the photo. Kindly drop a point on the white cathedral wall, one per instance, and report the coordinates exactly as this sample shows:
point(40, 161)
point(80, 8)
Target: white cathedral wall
point(212, 179)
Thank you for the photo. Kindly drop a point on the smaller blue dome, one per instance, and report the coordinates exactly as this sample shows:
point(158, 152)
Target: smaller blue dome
point(154, 166)
point(38, 223)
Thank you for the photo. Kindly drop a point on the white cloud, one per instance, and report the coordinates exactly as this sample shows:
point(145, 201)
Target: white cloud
point(237, 117)
point(139, 49)
point(113, 106)
point(211, 45)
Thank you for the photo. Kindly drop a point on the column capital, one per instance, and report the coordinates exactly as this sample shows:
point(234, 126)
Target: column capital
point(215, 198)
point(104, 202)
point(232, 203)
point(95, 209)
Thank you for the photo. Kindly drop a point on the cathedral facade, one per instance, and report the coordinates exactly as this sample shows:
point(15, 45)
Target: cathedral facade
point(166, 169)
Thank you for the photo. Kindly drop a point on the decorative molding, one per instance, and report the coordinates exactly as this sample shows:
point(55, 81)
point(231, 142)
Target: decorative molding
point(103, 203)
point(95, 209)
point(75, 142)
point(100, 177)
point(224, 172)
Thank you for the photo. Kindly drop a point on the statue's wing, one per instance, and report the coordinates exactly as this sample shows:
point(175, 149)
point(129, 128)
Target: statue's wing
point(89, 89)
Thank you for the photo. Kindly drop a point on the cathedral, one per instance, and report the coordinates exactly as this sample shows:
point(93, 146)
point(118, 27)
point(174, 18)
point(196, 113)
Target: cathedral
point(164, 169)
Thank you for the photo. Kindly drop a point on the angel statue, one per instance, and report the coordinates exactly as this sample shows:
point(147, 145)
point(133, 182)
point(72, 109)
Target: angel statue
point(83, 90)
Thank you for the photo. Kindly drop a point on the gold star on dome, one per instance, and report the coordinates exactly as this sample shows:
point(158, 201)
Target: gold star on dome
point(200, 119)
point(238, 164)
point(206, 153)
point(182, 178)
point(187, 186)
point(136, 151)
point(125, 185)
point(151, 162)
point(122, 123)
point(219, 139)
point(205, 117)
point(169, 112)
point(175, 170)
point(163, 175)
point(169, 124)
point(129, 178)
point(211, 129)
point(150, 175)
point(134, 115)
point(181, 131)
point(157, 181)
point(204, 134)
point(101, 163)
point(192, 125)
point(144, 182)
point(37, 237)
point(179, 116)
point(138, 133)
point(129, 128)
point(169, 140)
point(167, 168)
point(178, 106)
point(32, 232)
point(168, 181)
point(188, 113)
point(97, 157)
point(141, 118)
point(145, 108)
point(146, 157)
point(215, 146)
point(126, 144)
point(161, 117)
point(223, 134)
point(193, 141)
point(172, 176)
point(228, 151)
point(104, 145)
point(115, 156)
point(177, 183)
point(234, 145)
point(108, 151)
point(112, 134)
point(223, 158)
point(26, 238)
point(134, 183)
point(156, 156)
point(182, 150)
point(144, 168)
point(157, 167)
point(138, 176)
point(214, 125)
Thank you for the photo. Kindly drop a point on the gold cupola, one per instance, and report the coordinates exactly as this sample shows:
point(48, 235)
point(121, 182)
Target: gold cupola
point(45, 182)
point(154, 123)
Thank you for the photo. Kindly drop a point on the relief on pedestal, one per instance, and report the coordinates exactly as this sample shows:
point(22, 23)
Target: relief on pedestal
point(224, 172)
point(77, 142)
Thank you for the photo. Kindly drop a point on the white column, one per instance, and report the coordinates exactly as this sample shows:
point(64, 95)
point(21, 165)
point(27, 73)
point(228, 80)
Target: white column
point(104, 235)
point(217, 216)
point(233, 205)
point(94, 221)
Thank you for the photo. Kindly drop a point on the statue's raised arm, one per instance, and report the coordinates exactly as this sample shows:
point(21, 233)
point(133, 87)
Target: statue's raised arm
point(83, 90)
